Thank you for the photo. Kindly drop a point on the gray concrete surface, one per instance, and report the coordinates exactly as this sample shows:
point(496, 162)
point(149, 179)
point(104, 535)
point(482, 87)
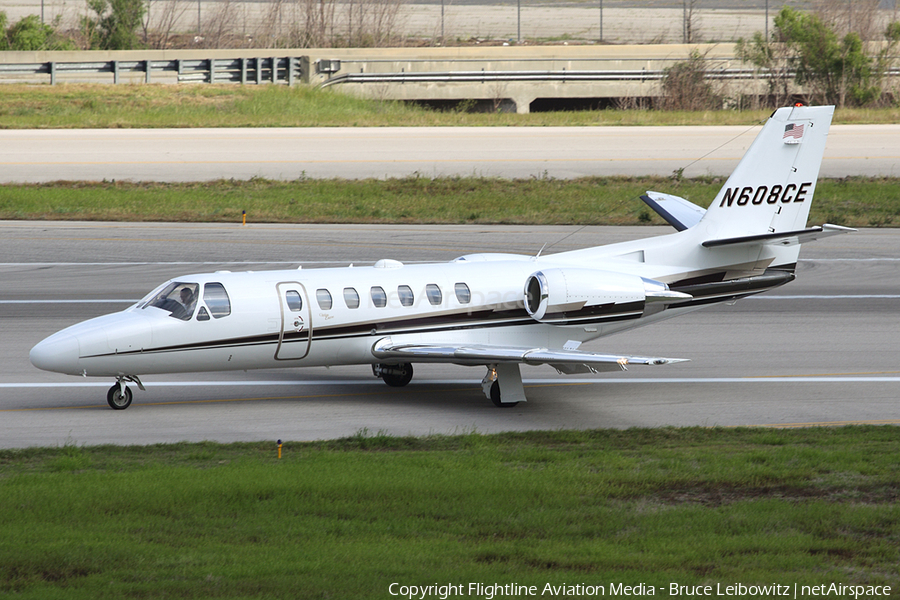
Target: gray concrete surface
point(515, 152)
point(822, 350)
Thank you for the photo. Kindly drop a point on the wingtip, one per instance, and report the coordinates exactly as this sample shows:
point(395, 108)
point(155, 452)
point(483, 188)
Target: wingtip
point(837, 228)
point(671, 361)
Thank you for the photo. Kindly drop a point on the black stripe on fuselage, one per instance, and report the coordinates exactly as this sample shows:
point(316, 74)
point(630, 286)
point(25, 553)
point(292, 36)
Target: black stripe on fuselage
point(708, 289)
point(458, 321)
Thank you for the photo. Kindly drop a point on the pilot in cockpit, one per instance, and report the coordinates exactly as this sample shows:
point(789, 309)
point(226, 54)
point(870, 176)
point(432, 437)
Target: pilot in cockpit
point(187, 299)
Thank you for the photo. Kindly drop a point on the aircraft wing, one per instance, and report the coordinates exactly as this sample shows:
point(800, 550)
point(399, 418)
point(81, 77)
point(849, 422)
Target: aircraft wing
point(679, 213)
point(784, 238)
point(567, 361)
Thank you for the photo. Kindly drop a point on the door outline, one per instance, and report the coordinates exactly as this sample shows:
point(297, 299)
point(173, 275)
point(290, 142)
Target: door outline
point(289, 325)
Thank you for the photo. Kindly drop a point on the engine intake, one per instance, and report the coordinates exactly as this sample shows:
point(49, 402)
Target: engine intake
point(565, 295)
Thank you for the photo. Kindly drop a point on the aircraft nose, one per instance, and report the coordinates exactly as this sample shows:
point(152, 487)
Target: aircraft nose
point(57, 353)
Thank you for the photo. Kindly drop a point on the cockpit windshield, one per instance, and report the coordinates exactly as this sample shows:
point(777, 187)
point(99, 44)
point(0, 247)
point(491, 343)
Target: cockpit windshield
point(179, 298)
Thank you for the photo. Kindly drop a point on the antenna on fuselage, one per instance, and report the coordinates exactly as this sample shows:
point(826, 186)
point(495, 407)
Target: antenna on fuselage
point(562, 239)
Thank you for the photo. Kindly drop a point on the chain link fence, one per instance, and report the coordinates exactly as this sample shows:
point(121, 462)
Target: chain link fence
point(366, 23)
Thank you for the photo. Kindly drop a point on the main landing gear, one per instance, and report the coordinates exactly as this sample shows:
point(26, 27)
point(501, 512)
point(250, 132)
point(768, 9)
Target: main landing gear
point(394, 375)
point(503, 385)
point(119, 395)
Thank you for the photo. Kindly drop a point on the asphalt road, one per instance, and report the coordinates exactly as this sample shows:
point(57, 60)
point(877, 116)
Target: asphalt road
point(512, 152)
point(822, 350)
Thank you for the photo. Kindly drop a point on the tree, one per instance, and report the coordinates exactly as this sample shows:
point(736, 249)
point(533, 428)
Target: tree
point(820, 61)
point(773, 58)
point(29, 34)
point(834, 70)
point(115, 26)
point(686, 87)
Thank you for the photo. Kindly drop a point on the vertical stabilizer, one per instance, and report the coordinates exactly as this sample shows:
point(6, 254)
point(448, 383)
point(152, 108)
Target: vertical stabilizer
point(771, 189)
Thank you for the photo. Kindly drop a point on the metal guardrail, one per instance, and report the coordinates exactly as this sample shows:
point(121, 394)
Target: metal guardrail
point(563, 75)
point(289, 70)
point(214, 70)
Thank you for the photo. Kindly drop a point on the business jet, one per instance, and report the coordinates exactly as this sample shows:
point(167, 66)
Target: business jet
point(497, 311)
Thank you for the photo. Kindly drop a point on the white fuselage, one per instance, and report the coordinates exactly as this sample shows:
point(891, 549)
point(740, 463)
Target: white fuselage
point(476, 299)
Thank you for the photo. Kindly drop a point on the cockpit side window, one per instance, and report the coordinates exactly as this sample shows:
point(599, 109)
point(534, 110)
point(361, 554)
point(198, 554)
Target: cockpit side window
point(216, 298)
point(179, 298)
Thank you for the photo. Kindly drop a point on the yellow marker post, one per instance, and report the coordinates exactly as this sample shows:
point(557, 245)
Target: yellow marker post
point(279, 449)
point(244, 215)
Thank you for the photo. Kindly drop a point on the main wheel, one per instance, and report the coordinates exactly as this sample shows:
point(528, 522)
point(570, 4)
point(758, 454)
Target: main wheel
point(116, 399)
point(495, 397)
point(397, 375)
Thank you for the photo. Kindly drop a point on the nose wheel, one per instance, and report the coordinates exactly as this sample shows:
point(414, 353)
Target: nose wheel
point(119, 395)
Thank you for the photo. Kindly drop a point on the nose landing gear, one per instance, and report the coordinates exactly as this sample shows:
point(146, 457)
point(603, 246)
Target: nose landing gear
point(119, 395)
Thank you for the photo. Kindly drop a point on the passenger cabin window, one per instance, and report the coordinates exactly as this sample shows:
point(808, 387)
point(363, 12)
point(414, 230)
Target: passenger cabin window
point(462, 293)
point(351, 298)
point(433, 293)
point(379, 298)
point(294, 301)
point(406, 295)
point(216, 298)
point(323, 297)
point(178, 298)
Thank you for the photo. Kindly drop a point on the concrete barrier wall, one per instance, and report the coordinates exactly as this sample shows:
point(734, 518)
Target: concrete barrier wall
point(499, 74)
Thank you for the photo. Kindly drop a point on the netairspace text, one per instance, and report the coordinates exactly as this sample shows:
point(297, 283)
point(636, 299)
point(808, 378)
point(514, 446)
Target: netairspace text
point(490, 591)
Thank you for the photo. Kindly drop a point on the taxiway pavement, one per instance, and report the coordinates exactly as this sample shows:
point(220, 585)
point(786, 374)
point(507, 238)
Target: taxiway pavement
point(821, 350)
point(385, 152)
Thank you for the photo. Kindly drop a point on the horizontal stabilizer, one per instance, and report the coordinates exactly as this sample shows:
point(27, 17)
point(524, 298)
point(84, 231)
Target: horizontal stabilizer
point(678, 212)
point(483, 354)
point(784, 238)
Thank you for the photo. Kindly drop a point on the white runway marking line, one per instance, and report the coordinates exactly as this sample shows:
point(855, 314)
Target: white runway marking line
point(311, 262)
point(527, 382)
point(764, 297)
point(186, 263)
point(105, 301)
point(827, 297)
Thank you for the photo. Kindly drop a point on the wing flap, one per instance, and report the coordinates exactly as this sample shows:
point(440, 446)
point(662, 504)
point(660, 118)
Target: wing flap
point(784, 238)
point(482, 354)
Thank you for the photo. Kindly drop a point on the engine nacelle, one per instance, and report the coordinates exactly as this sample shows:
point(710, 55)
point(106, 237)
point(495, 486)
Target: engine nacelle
point(565, 295)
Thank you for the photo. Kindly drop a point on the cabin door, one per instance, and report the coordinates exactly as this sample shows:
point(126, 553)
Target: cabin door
point(296, 321)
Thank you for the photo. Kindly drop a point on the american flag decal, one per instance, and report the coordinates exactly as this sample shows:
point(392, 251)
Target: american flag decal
point(792, 133)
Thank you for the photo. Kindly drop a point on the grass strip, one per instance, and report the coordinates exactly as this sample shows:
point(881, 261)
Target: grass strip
point(860, 201)
point(148, 106)
point(346, 518)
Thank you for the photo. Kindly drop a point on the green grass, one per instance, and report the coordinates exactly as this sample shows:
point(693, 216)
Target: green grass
point(867, 202)
point(346, 518)
point(613, 200)
point(104, 106)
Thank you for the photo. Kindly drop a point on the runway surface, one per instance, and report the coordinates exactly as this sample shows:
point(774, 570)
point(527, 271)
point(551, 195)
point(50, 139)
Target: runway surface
point(512, 152)
point(821, 350)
